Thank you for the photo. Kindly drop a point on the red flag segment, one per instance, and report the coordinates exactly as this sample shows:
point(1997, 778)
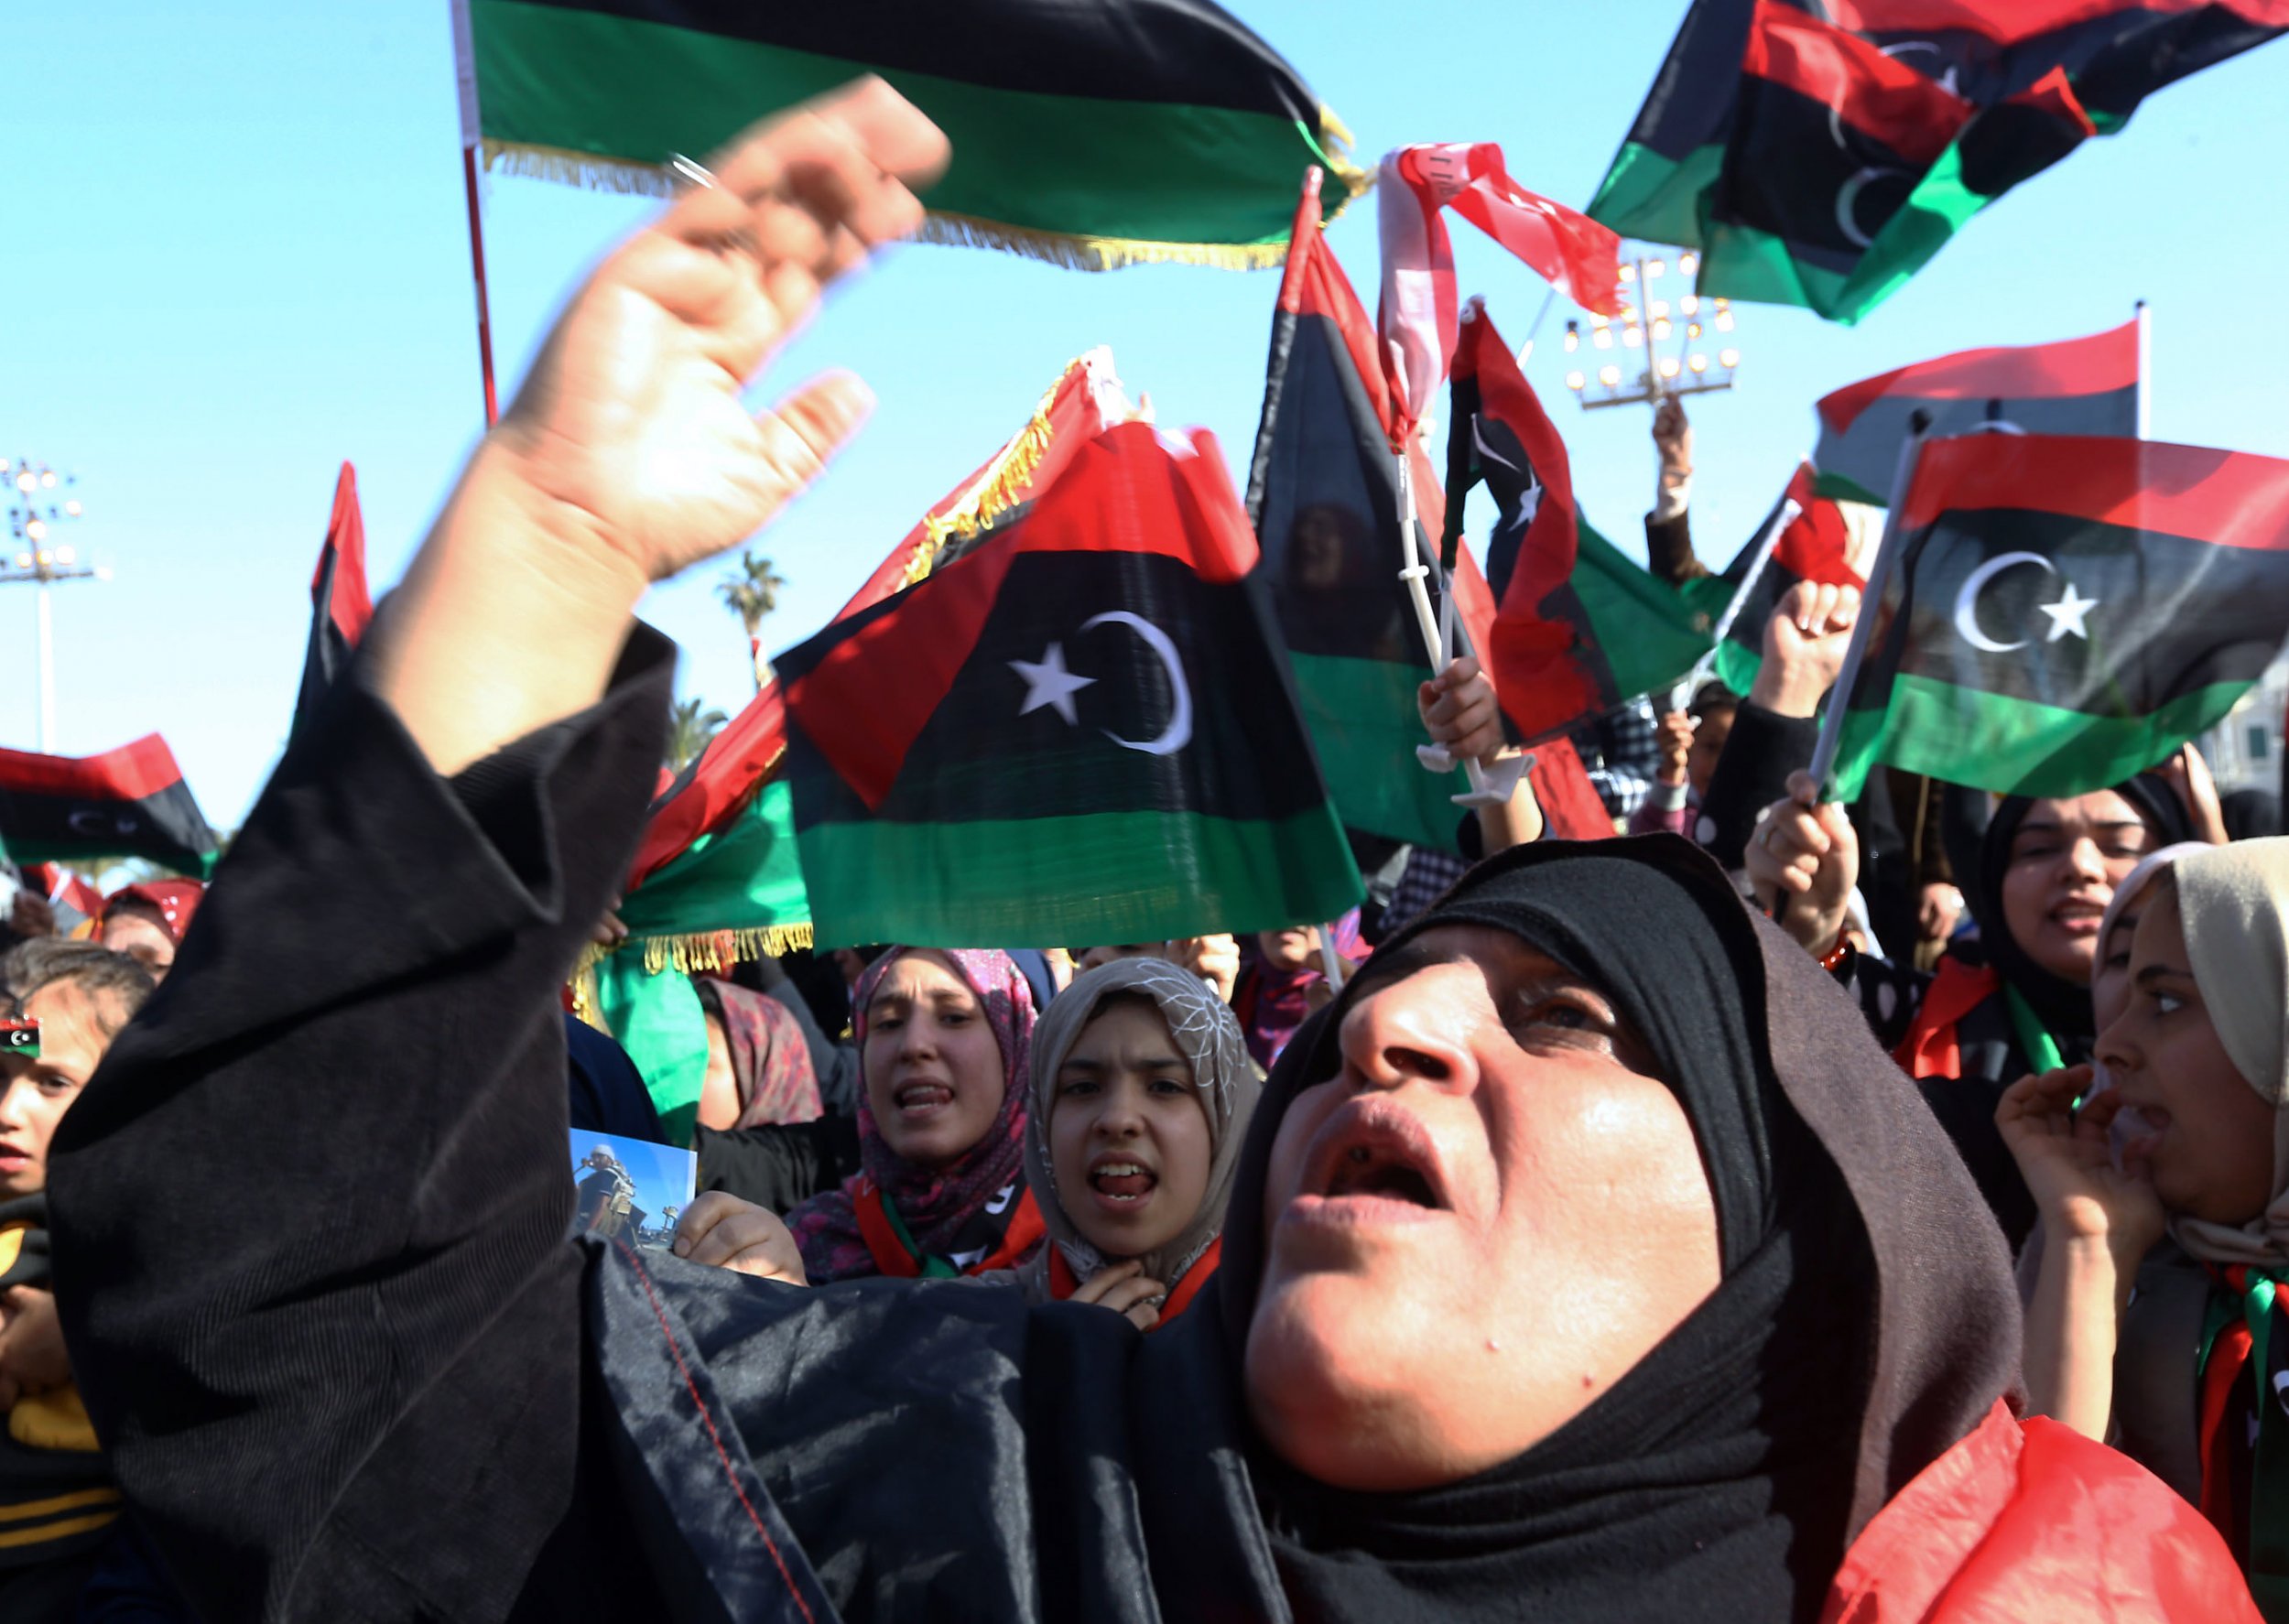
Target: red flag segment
point(2004, 21)
point(131, 772)
point(351, 606)
point(1889, 99)
point(2097, 364)
point(2226, 498)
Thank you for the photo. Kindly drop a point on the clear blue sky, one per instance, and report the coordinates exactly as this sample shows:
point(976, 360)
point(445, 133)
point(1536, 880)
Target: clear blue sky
point(238, 256)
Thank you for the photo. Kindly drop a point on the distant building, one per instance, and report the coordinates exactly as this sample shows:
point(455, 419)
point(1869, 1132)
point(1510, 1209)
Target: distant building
point(2244, 750)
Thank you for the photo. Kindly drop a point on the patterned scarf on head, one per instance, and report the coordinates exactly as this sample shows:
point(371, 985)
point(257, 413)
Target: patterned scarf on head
point(934, 1203)
point(770, 1060)
point(1210, 1039)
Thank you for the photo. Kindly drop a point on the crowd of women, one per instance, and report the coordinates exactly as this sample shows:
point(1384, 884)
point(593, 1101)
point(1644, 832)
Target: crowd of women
point(1584, 1249)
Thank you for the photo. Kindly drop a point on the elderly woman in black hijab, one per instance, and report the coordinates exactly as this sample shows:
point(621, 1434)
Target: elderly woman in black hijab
point(2014, 999)
point(1584, 1260)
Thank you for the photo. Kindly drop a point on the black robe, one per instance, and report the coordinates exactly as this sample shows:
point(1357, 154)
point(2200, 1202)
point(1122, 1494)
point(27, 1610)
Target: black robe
point(310, 1247)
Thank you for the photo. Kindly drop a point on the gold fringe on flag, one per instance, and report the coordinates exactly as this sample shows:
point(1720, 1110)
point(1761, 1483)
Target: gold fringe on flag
point(590, 172)
point(1076, 252)
point(720, 949)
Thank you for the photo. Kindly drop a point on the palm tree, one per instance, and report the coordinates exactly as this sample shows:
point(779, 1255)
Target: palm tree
point(752, 593)
point(688, 731)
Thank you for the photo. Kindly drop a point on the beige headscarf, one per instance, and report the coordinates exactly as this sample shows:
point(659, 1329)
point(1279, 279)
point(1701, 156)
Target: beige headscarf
point(1207, 1036)
point(2234, 901)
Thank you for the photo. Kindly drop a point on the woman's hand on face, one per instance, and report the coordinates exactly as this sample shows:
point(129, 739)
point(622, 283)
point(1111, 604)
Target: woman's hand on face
point(729, 1233)
point(1124, 1288)
point(2063, 1156)
point(1803, 861)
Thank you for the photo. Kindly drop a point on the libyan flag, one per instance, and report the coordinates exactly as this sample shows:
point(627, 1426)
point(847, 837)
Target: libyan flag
point(1820, 545)
point(1324, 496)
point(1080, 733)
point(129, 802)
point(1579, 628)
point(2085, 386)
point(1822, 159)
point(1091, 135)
point(2065, 611)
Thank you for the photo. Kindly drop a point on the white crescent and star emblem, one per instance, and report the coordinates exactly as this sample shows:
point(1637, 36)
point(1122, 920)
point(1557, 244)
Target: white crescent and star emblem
point(1050, 682)
point(2067, 614)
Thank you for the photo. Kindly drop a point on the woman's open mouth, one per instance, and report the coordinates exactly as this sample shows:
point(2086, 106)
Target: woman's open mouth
point(1374, 1164)
point(917, 1100)
point(1121, 1183)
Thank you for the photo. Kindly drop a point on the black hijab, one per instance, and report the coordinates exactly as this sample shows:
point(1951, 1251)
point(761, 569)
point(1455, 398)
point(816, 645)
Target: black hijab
point(1722, 1465)
point(940, 1449)
point(2062, 1006)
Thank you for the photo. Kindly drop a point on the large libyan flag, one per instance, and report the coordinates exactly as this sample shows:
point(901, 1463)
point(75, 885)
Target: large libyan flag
point(1092, 133)
point(2065, 610)
point(1080, 733)
point(1820, 153)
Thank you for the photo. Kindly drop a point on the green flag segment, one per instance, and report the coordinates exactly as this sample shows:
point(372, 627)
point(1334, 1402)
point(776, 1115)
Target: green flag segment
point(1092, 136)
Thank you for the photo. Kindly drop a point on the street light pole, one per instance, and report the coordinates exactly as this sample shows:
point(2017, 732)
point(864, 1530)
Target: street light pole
point(42, 562)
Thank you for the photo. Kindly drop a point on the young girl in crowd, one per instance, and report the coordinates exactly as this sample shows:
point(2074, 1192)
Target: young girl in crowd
point(1141, 1092)
point(2174, 1176)
point(2012, 1000)
point(943, 1036)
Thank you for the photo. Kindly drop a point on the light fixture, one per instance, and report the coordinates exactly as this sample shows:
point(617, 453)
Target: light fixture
point(1699, 362)
point(1575, 381)
point(1688, 304)
point(47, 478)
point(1573, 336)
point(1669, 366)
point(36, 531)
point(1660, 308)
point(1629, 273)
point(1692, 330)
point(1724, 322)
point(1727, 358)
point(1653, 268)
point(1603, 338)
point(64, 555)
point(1687, 263)
point(1609, 375)
point(1661, 328)
point(26, 480)
point(1632, 338)
point(72, 507)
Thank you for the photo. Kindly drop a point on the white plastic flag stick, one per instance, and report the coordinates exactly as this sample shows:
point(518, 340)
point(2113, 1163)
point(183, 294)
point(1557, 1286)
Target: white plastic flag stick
point(1872, 600)
point(1682, 695)
point(1330, 961)
point(1491, 786)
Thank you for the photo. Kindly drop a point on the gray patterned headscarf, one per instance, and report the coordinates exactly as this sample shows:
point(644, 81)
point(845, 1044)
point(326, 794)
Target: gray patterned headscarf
point(1209, 1038)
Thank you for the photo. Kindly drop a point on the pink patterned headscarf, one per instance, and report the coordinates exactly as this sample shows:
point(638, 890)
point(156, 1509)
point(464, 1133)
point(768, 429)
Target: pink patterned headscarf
point(934, 1204)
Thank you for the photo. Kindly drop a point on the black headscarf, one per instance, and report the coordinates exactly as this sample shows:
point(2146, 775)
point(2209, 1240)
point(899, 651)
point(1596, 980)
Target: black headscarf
point(2062, 1006)
point(1722, 1465)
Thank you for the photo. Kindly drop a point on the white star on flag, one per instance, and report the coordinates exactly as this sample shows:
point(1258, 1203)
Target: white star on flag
point(1048, 682)
point(2066, 615)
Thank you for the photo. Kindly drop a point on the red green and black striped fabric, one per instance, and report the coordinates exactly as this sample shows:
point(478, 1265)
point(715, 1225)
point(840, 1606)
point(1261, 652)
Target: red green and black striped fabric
point(340, 603)
point(2065, 610)
point(1083, 731)
point(1578, 628)
point(1323, 493)
point(129, 802)
point(1820, 154)
point(2085, 386)
point(1820, 546)
point(1093, 134)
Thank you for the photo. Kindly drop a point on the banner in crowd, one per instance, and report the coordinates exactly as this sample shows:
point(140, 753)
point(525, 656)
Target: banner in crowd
point(1822, 159)
point(1579, 628)
point(341, 605)
point(129, 802)
point(1084, 733)
point(2085, 386)
point(1090, 136)
point(2065, 611)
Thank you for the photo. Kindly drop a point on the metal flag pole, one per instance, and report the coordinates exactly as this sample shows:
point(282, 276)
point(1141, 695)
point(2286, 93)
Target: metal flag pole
point(1879, 579)
point(1766, 545)
point(471, 137)
point(2145, 419)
